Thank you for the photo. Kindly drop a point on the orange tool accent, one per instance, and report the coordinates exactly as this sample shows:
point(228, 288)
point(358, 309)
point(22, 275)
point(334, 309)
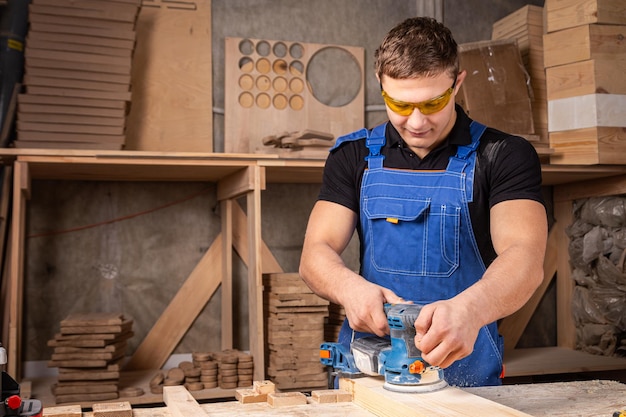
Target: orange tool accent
point(325, 354)
point(416, 367)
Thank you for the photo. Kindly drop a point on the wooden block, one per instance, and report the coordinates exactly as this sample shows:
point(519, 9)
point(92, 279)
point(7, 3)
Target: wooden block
point(343, 396)
point(70, 128)
point(119, 409)
point(591, 110)
point(582, 43)
point(563, 14)
point(605, 76)
point(284, 399)
point(37, 17)
point(596, 145)
point(180, 403)
point(324, 396)
point(113, 13)
point(63, 411)
point(70, 101)
point(63, 38)
point(248, 396)
point(123, 96)
point(263, 387)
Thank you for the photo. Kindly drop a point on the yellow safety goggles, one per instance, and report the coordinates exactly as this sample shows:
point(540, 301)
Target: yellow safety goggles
point(427, 107)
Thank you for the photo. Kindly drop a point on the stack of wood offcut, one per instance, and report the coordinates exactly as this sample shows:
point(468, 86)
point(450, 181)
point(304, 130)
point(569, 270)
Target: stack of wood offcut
point(77, 74)
point(526, 26)
point(585, 62)
point(332, 327)
point(294, 322)
point(89, 351)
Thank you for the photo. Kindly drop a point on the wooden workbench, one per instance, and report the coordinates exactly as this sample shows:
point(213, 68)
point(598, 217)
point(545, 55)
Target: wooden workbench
point(562, 399)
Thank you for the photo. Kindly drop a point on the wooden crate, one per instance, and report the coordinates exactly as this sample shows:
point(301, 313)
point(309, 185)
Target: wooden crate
point(582, 43)
point(602, 75)
point(594, 145)
point(563, 14)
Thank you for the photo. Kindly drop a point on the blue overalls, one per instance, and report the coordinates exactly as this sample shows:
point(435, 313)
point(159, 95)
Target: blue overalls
point(418, 241)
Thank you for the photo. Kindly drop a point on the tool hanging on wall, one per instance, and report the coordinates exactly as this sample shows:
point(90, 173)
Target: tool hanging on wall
point(302, 139)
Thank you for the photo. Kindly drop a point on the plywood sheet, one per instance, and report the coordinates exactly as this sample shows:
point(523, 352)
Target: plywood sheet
point(171, 106)
point(270, 88)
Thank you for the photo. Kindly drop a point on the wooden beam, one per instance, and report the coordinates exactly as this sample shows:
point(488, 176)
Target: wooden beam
point(513, 326)
point(241, 182)
point(180, 314)
point(566, 328)
point(21, 191)
point(269, 264)
point(448, 402)
point(226, 213)
point(180, 403)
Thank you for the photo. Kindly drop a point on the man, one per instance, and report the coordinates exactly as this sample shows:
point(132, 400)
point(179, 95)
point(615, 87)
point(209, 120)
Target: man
point(449, 214)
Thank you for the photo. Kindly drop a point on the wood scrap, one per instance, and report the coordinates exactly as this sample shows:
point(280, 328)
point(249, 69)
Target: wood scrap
point(294, 319)
point(88, 352)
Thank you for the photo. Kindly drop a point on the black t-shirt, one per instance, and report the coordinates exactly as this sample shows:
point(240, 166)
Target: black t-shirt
point(507, 168)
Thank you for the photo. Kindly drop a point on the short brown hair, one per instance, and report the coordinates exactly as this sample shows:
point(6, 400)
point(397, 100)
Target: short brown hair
point(417, 47)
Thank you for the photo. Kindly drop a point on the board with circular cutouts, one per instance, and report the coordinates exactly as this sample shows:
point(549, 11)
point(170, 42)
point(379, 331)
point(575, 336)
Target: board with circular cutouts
point(275, 88)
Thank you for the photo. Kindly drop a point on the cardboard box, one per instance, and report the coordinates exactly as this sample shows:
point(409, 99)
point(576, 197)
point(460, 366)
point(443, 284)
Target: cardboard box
point(496, 88)
point(563, 14)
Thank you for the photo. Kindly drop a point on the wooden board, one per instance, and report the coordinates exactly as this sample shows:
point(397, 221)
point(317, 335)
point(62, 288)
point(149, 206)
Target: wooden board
point(603, 75)
point(584, 42)
point(563, 14)
point(172, 107)
point(594, 145)
point(448, 402)
point(270, 93)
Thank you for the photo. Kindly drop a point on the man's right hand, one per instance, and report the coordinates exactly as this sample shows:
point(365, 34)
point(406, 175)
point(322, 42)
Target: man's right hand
point(363, 303)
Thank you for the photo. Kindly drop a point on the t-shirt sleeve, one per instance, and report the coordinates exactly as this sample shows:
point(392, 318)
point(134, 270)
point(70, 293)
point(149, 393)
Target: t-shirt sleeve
point(340, 178)
point(515, 173)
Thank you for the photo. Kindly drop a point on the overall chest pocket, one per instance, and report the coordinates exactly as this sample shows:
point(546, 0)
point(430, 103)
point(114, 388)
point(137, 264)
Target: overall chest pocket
point(412, 237)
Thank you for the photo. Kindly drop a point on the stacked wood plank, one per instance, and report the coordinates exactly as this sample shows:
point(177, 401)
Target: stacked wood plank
point(332, 327)
point(77, 74)
point(526, 26)
point(585, 60)
point(88, 351)
point(294, 322)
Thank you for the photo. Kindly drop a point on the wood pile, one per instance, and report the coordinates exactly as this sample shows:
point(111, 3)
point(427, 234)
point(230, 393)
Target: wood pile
point(294, 323)
point(77, 74)
point(332, 327)
point(585, 61)
point(227, 369)
point(526, 26)
point(89, 350)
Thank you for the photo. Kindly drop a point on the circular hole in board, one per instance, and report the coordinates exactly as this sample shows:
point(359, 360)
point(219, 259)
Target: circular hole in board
point(263, 65)
point(246, 64)
point(296, 68)
point(296, 51)
point(296, 102)
point(246, 82)
point(280, 66)
point(280, 49)
point(263, 83)
point(246, 47)
point(246, 100)
point(280, 84)
point(263, 48)
point(280, 101)
point(296, 85)
point(263, 100)
point(334, 76)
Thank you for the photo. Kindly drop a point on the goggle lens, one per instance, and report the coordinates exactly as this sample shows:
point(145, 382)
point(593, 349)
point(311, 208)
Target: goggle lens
point(427, 107)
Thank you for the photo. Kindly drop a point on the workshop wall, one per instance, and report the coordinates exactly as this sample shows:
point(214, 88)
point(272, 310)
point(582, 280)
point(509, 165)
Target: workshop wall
point(128, 246)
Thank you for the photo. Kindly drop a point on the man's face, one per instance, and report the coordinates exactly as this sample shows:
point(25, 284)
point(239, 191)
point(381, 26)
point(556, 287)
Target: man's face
point(422, 132)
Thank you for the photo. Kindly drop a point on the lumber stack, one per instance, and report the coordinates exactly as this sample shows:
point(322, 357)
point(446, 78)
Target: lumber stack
point(294, 323)
point(77, 74)
point(585, 60)
point(88, 351)
point(526, 26)
point(332, 327)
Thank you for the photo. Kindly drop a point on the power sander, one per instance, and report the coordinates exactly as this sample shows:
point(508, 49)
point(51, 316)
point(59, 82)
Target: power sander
point(396, 357)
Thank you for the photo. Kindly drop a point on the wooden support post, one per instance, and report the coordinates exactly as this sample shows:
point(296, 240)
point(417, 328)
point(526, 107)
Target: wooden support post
point(21, 192)
point(226, 212)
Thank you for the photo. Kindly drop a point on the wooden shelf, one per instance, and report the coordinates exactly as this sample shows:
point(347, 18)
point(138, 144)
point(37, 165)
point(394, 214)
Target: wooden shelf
point(557, 360)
